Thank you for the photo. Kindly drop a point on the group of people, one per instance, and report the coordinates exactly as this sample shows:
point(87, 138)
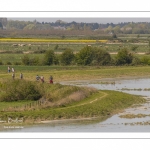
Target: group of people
point(42, 79)
point(12, 69)
point(37, 77)
point(13, 73)
point(13, 76)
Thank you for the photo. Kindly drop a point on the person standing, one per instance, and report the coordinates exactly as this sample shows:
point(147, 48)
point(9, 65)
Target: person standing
point(13, 70)
point(51, 80)
point(8, 69)
point(13, 75)
point(37, 77)
point(21, 76)
point(42, 79)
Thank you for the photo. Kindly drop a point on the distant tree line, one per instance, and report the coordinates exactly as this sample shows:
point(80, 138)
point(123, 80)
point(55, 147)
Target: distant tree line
point(98, 28)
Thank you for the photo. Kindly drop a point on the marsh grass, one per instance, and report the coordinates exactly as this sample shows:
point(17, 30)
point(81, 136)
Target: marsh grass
point(106, 104)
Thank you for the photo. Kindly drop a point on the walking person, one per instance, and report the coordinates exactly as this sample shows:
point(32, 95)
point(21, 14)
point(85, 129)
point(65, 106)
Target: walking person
point(21, 76)
point(42, 79)
point(37, 77)
point(8, 69)
point(13, 75)
point(13, 70)
point(51, 80)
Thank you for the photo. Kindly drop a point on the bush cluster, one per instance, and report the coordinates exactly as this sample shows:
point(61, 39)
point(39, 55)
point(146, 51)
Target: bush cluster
point(26, 60)
point(88, 55)
point(19, 90)
point(15, 90)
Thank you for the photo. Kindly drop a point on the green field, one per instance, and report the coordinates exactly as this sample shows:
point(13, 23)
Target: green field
point(64, 102)
point(64, 73)
point(12, 51)
point(39, 44)
point(111, 47)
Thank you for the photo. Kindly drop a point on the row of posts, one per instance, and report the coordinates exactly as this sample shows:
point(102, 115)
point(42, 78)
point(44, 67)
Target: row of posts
point(26, 106)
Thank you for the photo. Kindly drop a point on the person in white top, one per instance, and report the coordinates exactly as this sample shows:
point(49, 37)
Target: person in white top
point(13, 70)
point(42, 79)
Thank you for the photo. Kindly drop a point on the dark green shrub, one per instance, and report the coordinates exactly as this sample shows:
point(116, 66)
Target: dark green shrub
point(93, 56)
point(8, 63)
point(85, 56)
point(145, 60)
point(26, 60)
point(67, 57)
point(19, 90)
point(148, 62)
point(49, 57)
point(17, 63)
point(56, 59)
point(30, 61)
point(136, 61)
point(101, 56)
point(1, 63)
point(124, 57)
point(34, 61)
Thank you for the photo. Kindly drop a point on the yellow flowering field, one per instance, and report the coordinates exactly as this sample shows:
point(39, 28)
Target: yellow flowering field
point(49, 40)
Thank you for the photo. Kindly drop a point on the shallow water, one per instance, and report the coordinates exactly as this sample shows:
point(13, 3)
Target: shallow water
point(132, 86)
point(112, 124)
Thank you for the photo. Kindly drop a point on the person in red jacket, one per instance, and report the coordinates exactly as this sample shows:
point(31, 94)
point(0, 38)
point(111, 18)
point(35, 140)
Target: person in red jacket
point(51, 80)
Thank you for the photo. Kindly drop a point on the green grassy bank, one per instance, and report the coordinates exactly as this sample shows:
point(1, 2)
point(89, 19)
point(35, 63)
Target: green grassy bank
point(61, 101)
point(64, 73)
point(99, 104)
